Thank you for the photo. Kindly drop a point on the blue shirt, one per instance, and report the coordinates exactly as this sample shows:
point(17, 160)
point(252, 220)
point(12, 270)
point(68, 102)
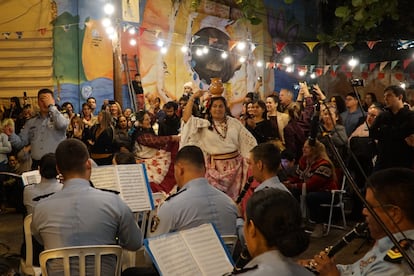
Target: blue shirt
point(273, 263)
point(197, 203)
point(373, 262)
point(272, 182)
point(82, 215)
point(43, 133)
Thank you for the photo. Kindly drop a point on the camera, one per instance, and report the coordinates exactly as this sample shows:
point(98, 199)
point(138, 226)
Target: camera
point(357, 82)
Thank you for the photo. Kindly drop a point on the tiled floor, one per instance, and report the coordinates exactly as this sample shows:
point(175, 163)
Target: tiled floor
point(11, 235)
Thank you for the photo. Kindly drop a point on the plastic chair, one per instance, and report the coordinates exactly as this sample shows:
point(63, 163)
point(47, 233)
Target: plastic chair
point(67, 253)
point(339, 204)
point(26, 265)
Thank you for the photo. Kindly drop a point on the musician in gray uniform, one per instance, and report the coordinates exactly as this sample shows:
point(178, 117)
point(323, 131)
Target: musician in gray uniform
point(44, 131)
point(80, 214)
point(197, 201)
point(391, 195)
point(264, 164)
point(274, 234)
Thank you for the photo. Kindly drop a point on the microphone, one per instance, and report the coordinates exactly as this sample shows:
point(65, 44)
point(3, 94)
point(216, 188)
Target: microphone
point(244, 190)
point(358, 230)
point(314, 124)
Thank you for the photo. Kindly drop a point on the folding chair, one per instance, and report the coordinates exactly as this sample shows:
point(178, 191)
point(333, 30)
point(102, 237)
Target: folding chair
point(339, 204)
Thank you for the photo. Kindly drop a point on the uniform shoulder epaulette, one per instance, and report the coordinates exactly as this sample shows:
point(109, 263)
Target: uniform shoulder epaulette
point(394, 255)
point(174, 195)
point(42, 197)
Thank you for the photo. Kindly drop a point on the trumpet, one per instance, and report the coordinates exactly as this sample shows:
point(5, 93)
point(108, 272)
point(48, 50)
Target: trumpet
point(359, 230)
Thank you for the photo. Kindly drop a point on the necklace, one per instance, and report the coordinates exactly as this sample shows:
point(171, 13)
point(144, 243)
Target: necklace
point(223, 126)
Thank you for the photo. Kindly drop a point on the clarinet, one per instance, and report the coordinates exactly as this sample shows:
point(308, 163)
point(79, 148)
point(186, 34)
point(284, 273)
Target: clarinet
point(359, 230)
point(244, 190)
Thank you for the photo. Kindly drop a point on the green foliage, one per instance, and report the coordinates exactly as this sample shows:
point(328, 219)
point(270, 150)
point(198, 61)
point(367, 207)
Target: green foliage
point(359, 17)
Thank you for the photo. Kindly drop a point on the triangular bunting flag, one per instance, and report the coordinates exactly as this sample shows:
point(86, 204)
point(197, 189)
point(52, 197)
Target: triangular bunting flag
point(394, 63)
point(326, 68)
point(343, 68)
point(319, 71)
point(279, 46)
point(362, 67)
point(372, 43)
point(364, 75)
point(333, 73)
point(372, 66)
point(348, 75)
point(381, 75)
point(382, 65)
point(335, 67)
point(311, 45)
point(311, 67)
point(399, 76)
point(341, 45)
point(406, 62)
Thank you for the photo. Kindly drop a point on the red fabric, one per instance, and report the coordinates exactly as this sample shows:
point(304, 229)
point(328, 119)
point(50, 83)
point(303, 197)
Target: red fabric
point(315, 182)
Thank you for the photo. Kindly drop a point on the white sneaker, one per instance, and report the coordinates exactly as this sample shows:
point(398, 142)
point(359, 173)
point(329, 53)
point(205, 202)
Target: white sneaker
point(317, 231)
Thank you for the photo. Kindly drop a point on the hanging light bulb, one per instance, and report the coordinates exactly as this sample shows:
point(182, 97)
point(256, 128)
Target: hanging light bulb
point(184, 48)
point(289, 69)
point(241, 46)
point(106, 22)
point(259, 63)
point(199, 52)
point(109, 9)
point(160, 43)
point(301, 73)
point(163, 50)
point(288, 60)
point(131, 31)
point(205, 50)
point(353, 62)
point(133, 42)
point(110, 30)
point(313, 75)
point(224, 55)
point(242, 59)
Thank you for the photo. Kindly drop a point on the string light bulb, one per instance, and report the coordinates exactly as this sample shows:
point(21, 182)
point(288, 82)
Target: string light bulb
point(109, 9)
point(224, 55)
point(106, 22)
point(184, 48)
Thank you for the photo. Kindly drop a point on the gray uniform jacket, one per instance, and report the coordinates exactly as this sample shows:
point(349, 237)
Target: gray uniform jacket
point(197, 203)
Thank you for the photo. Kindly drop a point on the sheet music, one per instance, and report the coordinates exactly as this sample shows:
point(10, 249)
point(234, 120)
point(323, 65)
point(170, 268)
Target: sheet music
point(207, 250)
point(134, 188)
point(105, 177)
point(31, 177)
point(196, 251)
point(130, 180)
point(172, 255)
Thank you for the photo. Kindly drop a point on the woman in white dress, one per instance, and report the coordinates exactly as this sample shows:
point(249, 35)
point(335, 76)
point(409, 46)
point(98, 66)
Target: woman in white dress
point(225, 142)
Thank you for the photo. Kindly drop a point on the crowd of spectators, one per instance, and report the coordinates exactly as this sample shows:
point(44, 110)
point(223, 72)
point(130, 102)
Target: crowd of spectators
point(155, 133)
